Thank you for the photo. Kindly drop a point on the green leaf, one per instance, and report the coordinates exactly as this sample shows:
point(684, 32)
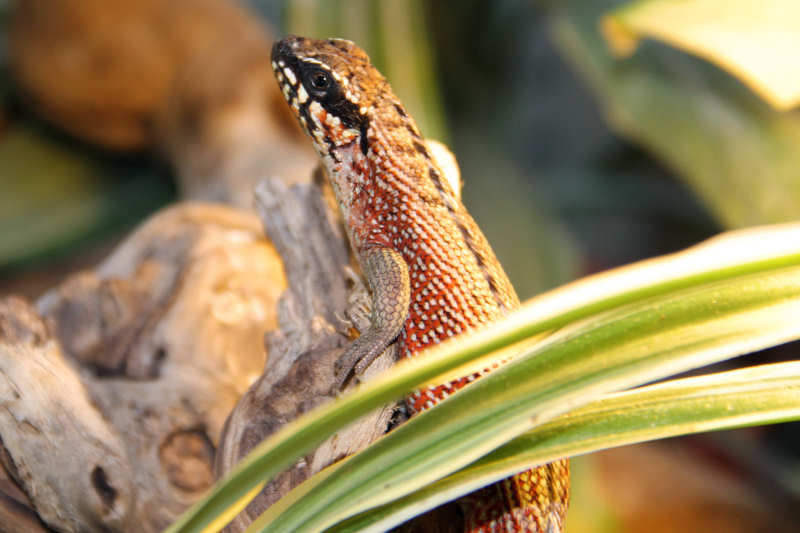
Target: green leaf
point(752, 396)
point(56, 195)
point(620, 348)
point(739, 155)
point(735, 293)
point(755, 41)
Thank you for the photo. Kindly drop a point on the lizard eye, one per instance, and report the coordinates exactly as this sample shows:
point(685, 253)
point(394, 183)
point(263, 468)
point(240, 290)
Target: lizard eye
point(319, 82)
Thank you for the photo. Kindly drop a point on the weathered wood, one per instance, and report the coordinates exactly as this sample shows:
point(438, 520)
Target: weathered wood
point(155, 346)
point(300, 374)
point(16, 510)
point(115, 389)
point(120, 379)
point(50, 426)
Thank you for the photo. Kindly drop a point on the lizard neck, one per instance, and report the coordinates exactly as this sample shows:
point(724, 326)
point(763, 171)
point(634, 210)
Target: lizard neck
point(383, 166)
point(394, 195)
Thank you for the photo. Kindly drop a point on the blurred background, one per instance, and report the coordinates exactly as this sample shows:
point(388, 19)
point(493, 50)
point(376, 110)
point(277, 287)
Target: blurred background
point(579, 150)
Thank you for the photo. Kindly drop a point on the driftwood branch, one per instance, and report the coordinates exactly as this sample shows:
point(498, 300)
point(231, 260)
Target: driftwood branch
point(120, 379)
point(300, 373)
point(46, 409)
point(116, 386)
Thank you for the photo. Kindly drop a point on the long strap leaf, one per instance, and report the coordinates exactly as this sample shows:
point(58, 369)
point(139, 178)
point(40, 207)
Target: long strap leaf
point(752, 396)
point(617, 349)
point(723, 258)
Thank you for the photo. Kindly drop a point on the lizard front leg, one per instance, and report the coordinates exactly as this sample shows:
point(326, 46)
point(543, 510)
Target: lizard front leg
point(387, 274)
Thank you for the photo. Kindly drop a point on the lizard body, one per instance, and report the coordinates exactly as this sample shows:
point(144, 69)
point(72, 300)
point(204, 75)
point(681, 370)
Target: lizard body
point(432, 273)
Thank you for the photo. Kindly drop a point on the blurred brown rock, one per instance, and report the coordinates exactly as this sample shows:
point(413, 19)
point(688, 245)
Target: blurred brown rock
point(188, 78)
point(102, 70)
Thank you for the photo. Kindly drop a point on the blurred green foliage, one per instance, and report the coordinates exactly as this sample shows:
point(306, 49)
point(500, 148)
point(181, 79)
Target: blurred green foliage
point(756, 42)
point(520, 120)
point(738, 154)
point(58, 195)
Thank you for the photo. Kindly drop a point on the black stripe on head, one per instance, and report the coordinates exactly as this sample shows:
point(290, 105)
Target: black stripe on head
point(321, 84)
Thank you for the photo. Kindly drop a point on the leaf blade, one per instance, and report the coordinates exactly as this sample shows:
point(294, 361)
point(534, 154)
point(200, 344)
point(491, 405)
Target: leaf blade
point(730, 255)
point(772, 391)
point(754, 41)
point(687, 330)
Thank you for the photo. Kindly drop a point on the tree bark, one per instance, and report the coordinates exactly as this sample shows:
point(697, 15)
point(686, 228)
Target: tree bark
point(115, 387)
point(307, 233)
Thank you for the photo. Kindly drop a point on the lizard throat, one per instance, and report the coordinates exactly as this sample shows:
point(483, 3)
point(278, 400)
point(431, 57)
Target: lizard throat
point(349, 172)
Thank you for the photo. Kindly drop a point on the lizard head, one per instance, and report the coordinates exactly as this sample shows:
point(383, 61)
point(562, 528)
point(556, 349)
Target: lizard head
point(359, 128)
point(331, 86)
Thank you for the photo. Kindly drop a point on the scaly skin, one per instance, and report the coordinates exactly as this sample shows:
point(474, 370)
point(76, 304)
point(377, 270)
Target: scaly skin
point(432, 273)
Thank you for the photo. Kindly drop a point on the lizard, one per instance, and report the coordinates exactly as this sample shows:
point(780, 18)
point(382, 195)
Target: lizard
point(431, 272)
